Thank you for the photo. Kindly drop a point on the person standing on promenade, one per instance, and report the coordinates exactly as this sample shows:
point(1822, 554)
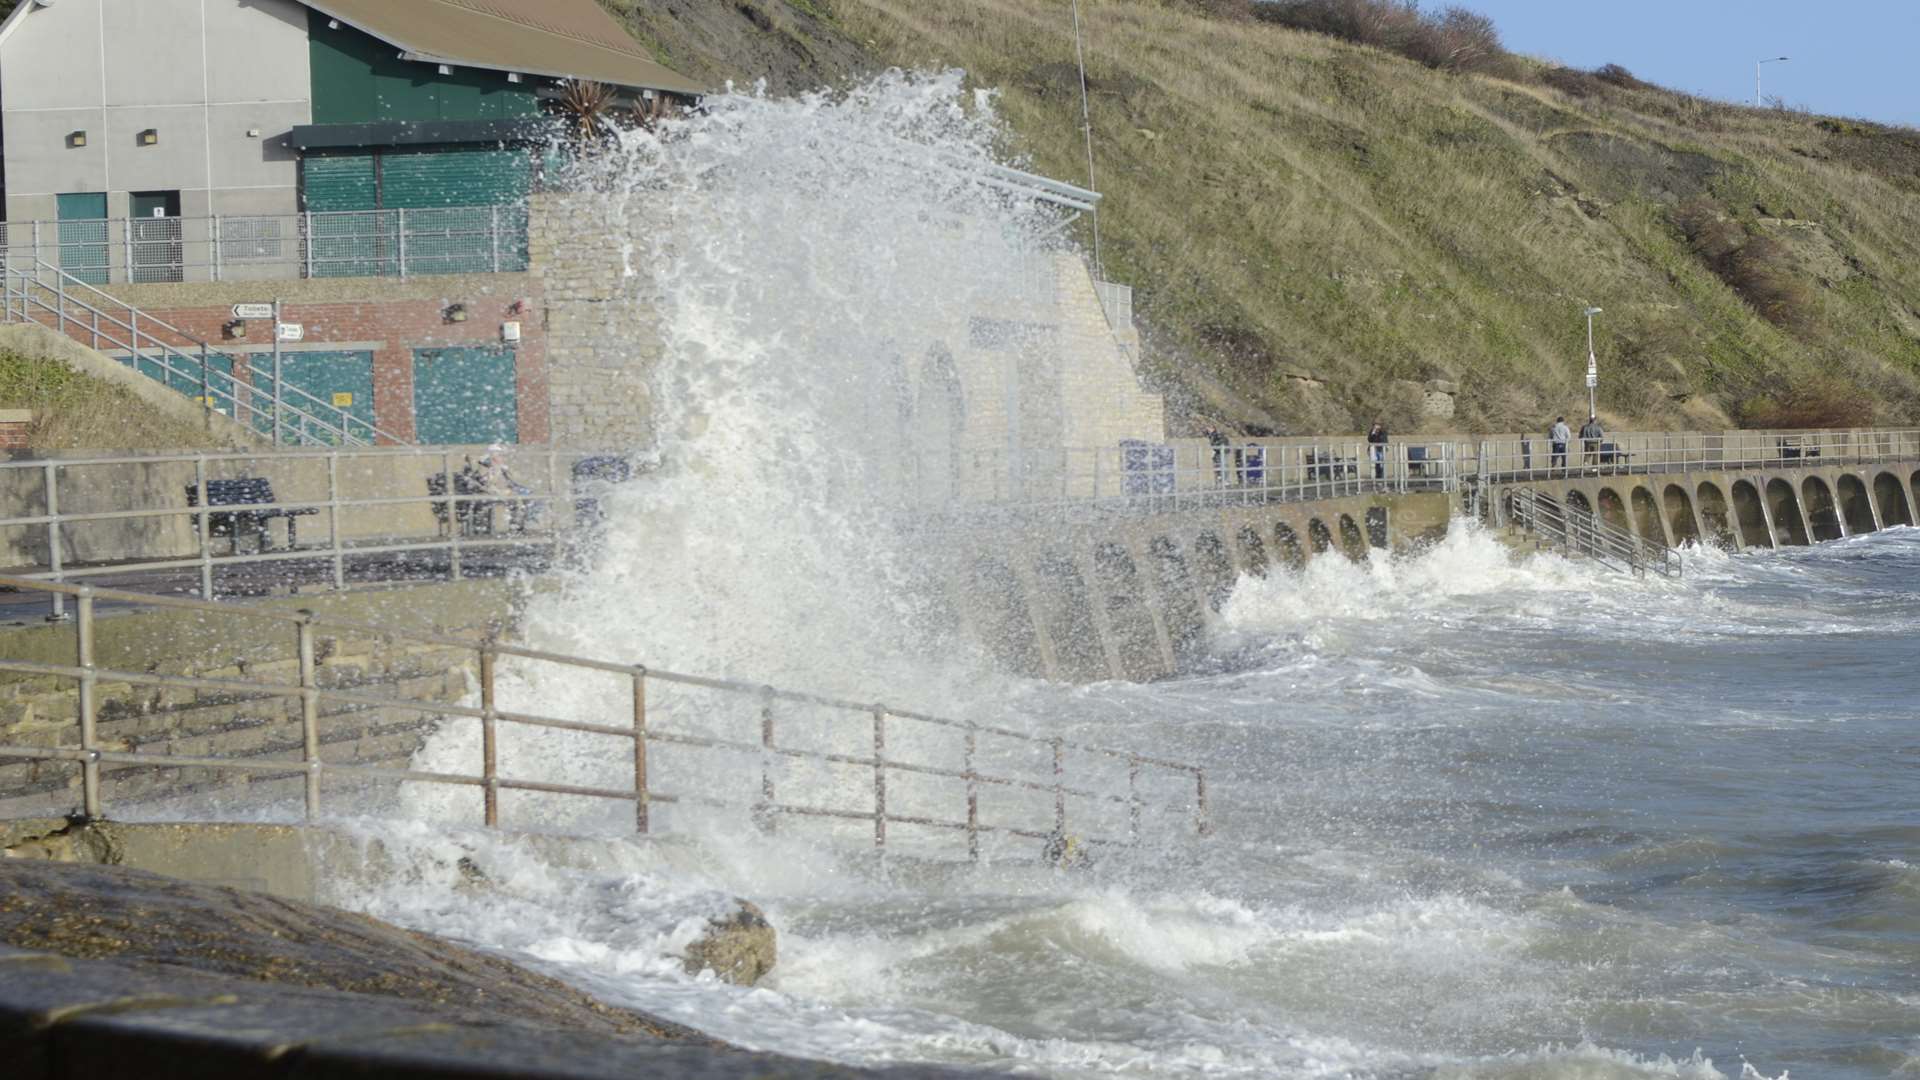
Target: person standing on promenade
point(1377, 448)
point(1590, 436)
point(1559, 436)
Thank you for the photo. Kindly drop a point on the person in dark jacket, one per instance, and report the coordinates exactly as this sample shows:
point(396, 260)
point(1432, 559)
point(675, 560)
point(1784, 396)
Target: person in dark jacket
point(1377, 449)
point(1590, 436)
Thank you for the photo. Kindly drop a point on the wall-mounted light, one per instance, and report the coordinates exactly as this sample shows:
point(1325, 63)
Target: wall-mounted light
point(446, 69)
point(646, 95)
point(455, 313)
point(150, 137)
point(76, 139)
point(234, 329)
point(253, 133)
point(519, 307)
point(333, 24)
point(513, 77)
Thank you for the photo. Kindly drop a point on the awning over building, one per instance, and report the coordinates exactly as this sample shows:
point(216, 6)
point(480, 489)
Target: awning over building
point(557, 38)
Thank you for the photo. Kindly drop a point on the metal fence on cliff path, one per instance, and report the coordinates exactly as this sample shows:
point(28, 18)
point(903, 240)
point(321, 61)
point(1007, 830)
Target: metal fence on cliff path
point(639, 729)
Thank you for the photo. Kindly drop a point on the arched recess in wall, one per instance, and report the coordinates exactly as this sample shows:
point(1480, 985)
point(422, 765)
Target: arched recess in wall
point(1785, 507)
point(1892, 499)
point(1353, 542)
point(1822, 516)
point(1613, 510)
point(1713, 511)
point(1286, 543)
point(1914, 505)
point(1215, 567)
point(1578, 501)
point(1068, 613)
point(1319, 537)
point(1680, 523)
point(1646, 513)
point(1003, 619)
point(1378, 533)
point(1253, 551)
point(1855, 509)
point(1750, 516)
point(1174, 577)
point(1125, 599)
point(939, 422)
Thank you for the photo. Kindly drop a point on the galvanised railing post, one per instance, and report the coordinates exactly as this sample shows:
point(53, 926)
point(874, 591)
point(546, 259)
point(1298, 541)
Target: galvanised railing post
point(1203, 817)
point(489, 736)
point(493, 235)
point(89, 707)
point(400, 233)
point(206, 387)
point(1133, 798)
point(305, 224)
point(1059, 786)
point(202, 526)
point(309, 712)
point(764, 812)
point(641, 798)
point(973, 793)
point(455, 524)
point(880, 776)
point(333, 520)
point(50, 479)
point(213, 243)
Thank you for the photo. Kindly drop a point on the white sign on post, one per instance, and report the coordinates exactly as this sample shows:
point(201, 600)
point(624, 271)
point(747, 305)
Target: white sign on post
point(292, 331)
point(1593, 380)
point(253, 311)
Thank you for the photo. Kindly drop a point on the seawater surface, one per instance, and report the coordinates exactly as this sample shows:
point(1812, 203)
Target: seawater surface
point(1477, 816)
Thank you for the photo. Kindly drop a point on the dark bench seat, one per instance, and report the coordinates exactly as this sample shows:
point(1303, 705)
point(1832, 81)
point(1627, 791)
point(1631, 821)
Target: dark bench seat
point(242, 494)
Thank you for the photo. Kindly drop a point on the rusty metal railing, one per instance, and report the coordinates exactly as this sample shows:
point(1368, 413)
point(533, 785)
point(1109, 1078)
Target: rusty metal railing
point(643, 793)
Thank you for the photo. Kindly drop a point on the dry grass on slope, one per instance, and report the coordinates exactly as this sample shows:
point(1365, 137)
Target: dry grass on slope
point(1314, 227)
point(73, 411)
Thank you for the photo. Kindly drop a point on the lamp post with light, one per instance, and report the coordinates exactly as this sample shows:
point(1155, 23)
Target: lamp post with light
point(1593, 367)
point(1756, 74)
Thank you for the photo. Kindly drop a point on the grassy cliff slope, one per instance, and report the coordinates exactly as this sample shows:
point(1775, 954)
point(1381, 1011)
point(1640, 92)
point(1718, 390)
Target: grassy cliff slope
point(1315, 229)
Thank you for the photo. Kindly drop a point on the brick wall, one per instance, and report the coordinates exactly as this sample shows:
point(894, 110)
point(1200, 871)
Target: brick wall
point(14, 426)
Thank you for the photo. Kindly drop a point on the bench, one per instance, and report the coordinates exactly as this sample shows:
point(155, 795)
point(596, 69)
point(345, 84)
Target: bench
point(1417, 461)
point(475, 518)
point(233, 524)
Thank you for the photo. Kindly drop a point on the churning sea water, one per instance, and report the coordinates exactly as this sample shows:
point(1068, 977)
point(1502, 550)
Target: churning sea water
point(1477, 814)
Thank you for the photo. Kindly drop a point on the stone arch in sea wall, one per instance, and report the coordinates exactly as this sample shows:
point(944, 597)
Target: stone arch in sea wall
point(1713, 515)
point(1681, 524)
point(1613, 510)
point(1646, 513)
point(1353, 543)
point(1286, 544)
point(1319, 536)
point(1891, 497)
point(1751, 516)
point(1856, 509)
point(1823, 517)
point(1214, 567)
point(1788, 526)
point(1253, 551)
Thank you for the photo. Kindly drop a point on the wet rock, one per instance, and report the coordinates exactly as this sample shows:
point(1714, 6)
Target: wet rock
point(740, 948)
point(91, 912)
point(56, 840)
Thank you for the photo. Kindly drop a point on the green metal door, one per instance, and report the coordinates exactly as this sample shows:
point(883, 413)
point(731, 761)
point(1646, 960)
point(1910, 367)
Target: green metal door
point(83, 236)
point(343, 380)
point(348, 236)
point(466, 396)
point(460, 208)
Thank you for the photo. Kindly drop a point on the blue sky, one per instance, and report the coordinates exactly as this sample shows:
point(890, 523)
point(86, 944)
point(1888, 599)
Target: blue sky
point(1857, 58)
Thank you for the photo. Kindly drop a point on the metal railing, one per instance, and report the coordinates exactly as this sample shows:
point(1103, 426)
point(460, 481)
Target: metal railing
point(229, 247)
point(1579, 531)
point(1521, 458)
point(1178, 475)
point(38, 292)
point(638, 728)
point(358, 495)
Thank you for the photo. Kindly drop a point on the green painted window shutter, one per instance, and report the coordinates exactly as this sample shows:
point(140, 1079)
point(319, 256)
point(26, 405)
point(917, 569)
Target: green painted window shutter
point(465, 176)
point(335, 180)
point(465, 396)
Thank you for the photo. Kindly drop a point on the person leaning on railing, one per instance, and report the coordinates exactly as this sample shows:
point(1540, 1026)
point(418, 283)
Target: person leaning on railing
point(1590, 436)
point(1377, 449)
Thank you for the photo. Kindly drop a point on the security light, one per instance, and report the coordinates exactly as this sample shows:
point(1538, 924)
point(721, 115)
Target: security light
point(446, 69)
point(76, 139)
point(456, 313)
point(150, 137)
point(513, 76)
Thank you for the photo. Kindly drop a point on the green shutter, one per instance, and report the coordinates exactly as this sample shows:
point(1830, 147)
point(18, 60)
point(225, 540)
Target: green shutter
point(465, 396)
point(339, 180)
point(454, 177)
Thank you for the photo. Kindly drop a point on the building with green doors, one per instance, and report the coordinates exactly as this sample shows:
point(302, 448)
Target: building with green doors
point(194, 140)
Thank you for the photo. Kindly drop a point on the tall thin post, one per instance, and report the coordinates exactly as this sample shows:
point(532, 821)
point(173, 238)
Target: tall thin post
point(213, 243)
point(309, 713)
point(641, 801)
point(879, 776)
point(765, 810)
point(973, 796)
point(333, 520)
point(400, 231)
point(277, 439)
point(489, 745)
point(206, 387)
point(456, 522)
point(202, 526)
point(89, 708)
point(1204, 820)
point(50, 474)
point(1059, 787)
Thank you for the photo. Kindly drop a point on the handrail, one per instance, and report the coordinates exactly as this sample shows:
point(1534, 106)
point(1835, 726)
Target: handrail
point(306, 409)
point(92, 753)
point(1581, 531)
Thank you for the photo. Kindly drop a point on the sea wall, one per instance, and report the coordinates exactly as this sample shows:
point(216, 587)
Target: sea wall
point(42, 711)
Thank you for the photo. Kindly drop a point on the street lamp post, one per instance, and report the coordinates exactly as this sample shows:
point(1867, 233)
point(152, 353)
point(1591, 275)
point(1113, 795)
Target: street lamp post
point(1756, 75)
point(1593, 367)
